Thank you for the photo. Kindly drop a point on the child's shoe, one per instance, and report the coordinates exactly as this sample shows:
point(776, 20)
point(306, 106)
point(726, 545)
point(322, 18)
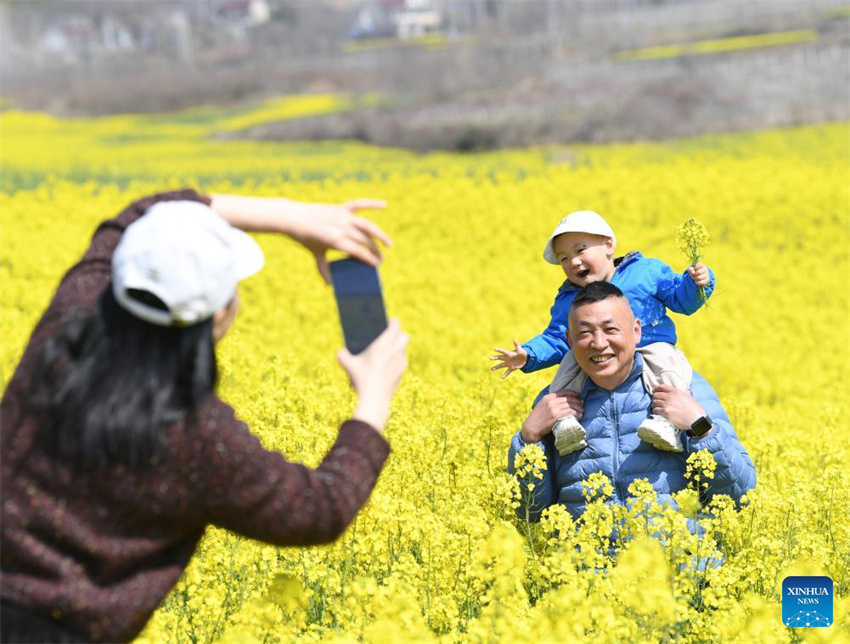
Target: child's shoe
point(569, 435)
point(661, 434)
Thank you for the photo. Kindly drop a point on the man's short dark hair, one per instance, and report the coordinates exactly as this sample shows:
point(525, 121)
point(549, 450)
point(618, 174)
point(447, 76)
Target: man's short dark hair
point(595, 292)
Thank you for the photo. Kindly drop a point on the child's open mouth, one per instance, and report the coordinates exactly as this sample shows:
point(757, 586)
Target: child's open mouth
point(583, 272)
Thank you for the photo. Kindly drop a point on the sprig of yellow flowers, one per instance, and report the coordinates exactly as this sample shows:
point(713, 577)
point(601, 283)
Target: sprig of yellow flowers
point(693, 237)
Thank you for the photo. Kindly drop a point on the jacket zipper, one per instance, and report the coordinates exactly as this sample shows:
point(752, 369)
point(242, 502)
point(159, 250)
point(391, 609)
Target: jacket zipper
point(616, 455)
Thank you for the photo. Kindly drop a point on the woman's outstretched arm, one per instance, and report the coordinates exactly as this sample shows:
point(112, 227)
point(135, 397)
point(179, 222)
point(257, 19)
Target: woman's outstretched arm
point(318, 227)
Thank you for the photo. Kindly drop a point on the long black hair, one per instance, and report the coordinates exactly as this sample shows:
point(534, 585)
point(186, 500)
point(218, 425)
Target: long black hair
point(107, 384)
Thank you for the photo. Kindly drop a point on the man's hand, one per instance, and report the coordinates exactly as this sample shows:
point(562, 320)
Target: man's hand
point(550, 408)
point(512, 360)
point(677, 406)
point(699, 274)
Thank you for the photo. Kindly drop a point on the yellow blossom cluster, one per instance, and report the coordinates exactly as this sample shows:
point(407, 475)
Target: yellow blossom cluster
point(693, 238)
point(439, 553)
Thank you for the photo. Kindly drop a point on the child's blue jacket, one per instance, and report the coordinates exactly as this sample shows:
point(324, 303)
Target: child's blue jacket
point(651, 288)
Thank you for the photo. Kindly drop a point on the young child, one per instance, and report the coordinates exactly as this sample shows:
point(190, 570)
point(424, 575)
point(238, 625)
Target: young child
point(583, 245)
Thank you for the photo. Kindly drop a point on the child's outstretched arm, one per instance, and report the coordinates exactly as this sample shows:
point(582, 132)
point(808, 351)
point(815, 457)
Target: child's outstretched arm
point(510, 360)
point(545, 349)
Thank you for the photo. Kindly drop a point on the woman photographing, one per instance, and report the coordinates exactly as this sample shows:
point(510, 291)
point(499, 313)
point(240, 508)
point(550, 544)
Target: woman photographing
point(116, 452)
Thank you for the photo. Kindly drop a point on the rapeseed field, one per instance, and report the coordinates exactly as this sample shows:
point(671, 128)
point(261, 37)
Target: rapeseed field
point(438, 554)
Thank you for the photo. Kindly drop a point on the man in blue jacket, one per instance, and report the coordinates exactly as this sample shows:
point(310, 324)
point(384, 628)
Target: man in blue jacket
point(604, 334)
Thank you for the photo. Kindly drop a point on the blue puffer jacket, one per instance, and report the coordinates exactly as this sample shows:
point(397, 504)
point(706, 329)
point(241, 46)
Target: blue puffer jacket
point(611, 419)
point(651, 288)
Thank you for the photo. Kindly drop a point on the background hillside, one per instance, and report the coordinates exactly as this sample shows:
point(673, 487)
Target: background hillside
point(486, 74)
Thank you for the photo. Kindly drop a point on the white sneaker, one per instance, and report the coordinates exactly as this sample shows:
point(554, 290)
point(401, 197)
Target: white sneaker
point(661, 434)
point(569, 435)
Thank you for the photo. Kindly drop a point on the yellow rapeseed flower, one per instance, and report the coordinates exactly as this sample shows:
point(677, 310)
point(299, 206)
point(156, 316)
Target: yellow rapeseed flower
point(438, 554)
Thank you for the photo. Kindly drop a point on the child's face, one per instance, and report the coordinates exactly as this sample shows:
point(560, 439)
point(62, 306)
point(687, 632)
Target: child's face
point(585, 258)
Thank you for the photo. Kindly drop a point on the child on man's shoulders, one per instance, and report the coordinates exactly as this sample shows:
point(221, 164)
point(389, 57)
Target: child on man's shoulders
point(583, 244)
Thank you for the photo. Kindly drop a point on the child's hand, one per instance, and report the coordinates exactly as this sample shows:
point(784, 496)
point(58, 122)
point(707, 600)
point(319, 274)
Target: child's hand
point(699, 274)
point(512, 360)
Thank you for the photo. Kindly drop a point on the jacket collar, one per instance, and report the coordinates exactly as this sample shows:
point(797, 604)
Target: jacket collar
point(619, 264)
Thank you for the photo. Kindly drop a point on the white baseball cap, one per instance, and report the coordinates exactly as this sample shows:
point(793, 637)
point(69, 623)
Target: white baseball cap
point(580, 221)
point(186, 255)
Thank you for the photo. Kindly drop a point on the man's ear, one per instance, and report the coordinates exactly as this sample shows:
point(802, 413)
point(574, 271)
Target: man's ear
point(569, 339)
point(637, 331)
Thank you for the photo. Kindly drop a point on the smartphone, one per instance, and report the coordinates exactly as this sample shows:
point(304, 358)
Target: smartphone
point(360, 302)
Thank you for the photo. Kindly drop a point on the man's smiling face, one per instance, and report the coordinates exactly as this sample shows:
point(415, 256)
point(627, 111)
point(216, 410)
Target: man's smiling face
point(603, 336)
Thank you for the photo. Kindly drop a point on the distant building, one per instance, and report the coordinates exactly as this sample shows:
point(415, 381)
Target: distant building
point(76, 37)
point(396, 19)
point(417, 18)
point(372, 21)
point(246, 13)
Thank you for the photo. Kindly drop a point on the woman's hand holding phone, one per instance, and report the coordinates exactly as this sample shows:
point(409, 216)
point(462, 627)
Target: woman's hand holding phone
point(375, 374)
point(376, 371)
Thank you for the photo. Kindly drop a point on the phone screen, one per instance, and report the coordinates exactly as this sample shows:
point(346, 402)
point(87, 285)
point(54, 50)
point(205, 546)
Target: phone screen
point(361, 305)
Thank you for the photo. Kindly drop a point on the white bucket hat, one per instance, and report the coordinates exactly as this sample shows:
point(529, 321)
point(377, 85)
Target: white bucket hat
point(580, 221)
point(186, 255)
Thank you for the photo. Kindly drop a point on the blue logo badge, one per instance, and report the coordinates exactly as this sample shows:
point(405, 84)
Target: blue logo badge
point(807, 601)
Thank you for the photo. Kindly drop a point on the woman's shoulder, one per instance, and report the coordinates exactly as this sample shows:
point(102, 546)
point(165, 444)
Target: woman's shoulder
point(214, 415)
point(210, 418)
point(211, 430)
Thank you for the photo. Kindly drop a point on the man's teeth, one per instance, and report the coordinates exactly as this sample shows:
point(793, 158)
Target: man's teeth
point(598, 359)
